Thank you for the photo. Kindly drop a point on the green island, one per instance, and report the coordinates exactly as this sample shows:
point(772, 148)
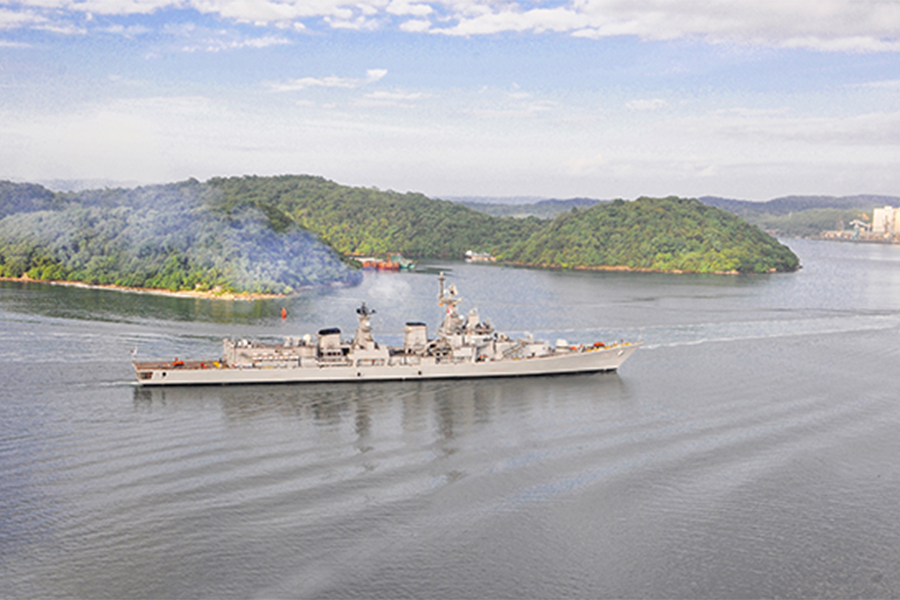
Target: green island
point(654, 234)
point(276, 235)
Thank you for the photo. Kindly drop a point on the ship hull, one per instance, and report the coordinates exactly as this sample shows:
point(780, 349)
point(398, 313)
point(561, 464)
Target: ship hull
point(603, 359)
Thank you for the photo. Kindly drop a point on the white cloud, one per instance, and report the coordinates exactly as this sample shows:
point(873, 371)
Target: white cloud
point(513, 18)
point(131, 31)
point(331, 81)
point(407, 8)
point(513, 112)
point(822, 25)
point(261, 42)
point(398, 96)
point(585, 164)
point(740, 151)
point(871, 129)
point(887, 84)
point(415, 26)
point(844, 44)
point(373, 75)
point(14, 19)
point(211, 43)
point(62, 28)
point(140, 139)
point(647, 105)
point(107, 7)
point(828, 25)
point(754, 112)
point(199, 39)
point(361, 22)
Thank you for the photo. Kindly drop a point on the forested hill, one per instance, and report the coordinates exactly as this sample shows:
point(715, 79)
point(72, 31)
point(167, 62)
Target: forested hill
point(26, 197)
point(278, 234)
point(358, 220)
point(669, 234)
point(659, 234)
point(176, 237)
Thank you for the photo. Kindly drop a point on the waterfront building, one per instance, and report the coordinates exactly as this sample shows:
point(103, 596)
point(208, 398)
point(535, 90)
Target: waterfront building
point(886, 221)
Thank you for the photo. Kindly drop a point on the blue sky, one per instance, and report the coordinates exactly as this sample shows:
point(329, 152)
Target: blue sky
point(598, 98)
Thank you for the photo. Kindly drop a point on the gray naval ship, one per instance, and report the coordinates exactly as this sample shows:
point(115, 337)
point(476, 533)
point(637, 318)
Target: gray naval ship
point(464, 347)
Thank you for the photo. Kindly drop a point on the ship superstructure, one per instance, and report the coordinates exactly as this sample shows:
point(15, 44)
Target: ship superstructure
point(463, 347)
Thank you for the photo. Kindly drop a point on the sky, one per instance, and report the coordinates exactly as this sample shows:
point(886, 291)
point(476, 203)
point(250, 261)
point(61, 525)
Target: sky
point(555, 99)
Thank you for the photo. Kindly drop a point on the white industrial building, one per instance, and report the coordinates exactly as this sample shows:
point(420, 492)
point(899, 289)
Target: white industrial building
point(886, 220)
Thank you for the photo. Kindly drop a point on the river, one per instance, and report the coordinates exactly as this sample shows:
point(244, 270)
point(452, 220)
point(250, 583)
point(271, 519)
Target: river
point(748, 449)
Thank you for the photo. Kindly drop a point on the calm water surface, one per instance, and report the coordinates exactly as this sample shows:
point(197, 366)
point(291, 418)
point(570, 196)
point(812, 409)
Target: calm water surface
point(750, 449)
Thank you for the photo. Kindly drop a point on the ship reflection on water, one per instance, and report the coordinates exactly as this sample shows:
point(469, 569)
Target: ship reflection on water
point(448, 408)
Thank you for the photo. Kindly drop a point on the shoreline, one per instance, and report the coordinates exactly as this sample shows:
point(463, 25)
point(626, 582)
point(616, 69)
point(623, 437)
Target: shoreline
point(627, 269)
point(207, 295)
point(248, 296)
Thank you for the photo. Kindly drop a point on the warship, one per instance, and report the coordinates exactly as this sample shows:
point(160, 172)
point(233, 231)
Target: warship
point(463, 347)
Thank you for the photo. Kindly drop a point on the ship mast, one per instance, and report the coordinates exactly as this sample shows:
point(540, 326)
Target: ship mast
point(449, 298)
point(363, 338)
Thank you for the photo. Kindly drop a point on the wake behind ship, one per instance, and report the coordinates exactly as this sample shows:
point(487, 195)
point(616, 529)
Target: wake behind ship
point(464, 347)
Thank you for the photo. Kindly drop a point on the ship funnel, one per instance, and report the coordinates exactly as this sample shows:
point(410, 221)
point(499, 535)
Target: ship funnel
point(329, 338)
point(415, 337)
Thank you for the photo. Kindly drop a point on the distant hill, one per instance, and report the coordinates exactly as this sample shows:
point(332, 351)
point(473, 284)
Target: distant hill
point(81, 185)
point(26, 197)
point(543, 209)
point(789, 204)
point(492, 199)
point(803, 216)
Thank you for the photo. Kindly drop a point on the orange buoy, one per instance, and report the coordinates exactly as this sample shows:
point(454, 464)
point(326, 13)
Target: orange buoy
point(283, 313)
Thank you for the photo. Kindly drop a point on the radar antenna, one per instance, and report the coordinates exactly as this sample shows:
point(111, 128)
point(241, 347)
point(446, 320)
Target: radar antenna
point(365, 311)
point(449, 298)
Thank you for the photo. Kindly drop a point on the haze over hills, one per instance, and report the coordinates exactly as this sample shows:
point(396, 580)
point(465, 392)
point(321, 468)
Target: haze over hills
point(175, 237)
point(279, 234)
point(789, 204)
point(791, 216)
point(492, 199)
point(804, 216)
point(543, 209)
point(776, 206)
point(80, 185)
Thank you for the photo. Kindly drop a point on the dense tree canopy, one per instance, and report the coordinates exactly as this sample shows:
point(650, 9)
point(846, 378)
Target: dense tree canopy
point(175, 237)
point(660, 234)
point(265, 234)
point(369, 221)
point(663, 234)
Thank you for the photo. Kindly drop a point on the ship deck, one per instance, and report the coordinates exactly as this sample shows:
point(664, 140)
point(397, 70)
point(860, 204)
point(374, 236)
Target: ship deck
point(186, 365)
